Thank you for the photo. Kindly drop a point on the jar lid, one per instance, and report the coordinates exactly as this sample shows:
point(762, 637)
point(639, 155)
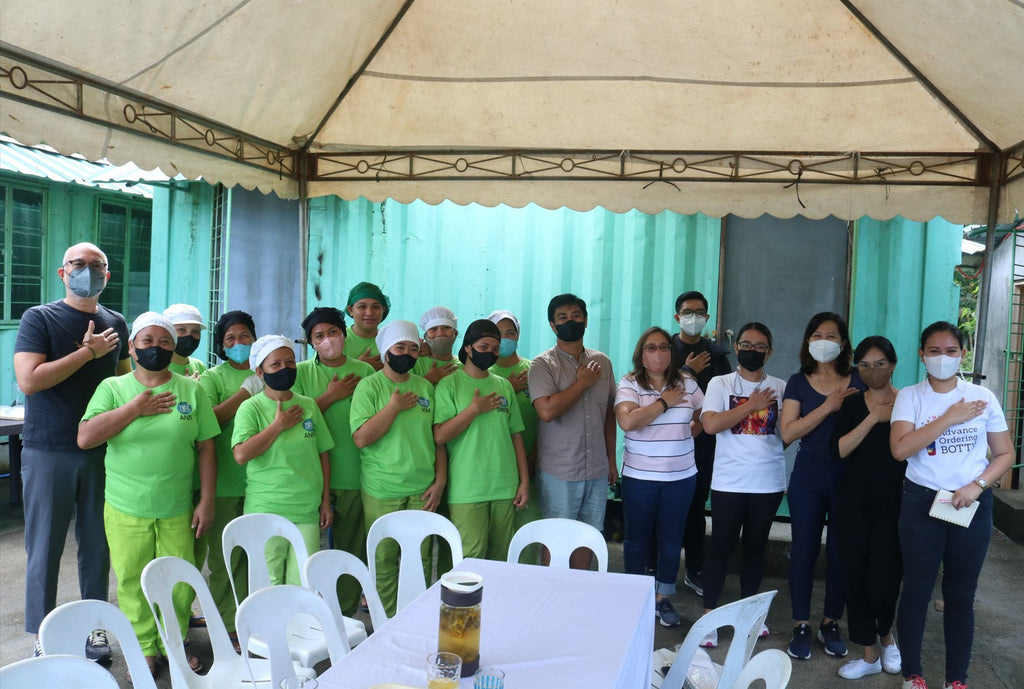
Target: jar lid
point(462, 589)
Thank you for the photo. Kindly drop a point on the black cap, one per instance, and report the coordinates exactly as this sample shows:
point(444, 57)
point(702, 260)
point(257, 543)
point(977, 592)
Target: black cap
point(226, 321)
point(323, 314)
point(476, 330)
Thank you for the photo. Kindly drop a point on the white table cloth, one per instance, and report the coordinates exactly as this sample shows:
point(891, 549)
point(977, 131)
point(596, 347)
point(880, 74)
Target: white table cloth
point(544, 627)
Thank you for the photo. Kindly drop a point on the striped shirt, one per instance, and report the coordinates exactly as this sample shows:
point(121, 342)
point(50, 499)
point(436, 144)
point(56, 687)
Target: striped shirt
point(662, 450)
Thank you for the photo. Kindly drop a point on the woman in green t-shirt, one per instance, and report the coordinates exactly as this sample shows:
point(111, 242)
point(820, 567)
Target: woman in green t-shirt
point(281, 439)
point(158, 426)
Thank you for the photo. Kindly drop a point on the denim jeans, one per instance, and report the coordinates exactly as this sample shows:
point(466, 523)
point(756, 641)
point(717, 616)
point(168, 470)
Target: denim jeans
point(926, 543)
point(655, 509)
point(813, 498)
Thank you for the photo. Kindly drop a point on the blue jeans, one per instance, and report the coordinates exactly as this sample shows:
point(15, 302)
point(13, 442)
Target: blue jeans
point(813, 497)
point(655, 509)
point(584, 501)
point(926, 543)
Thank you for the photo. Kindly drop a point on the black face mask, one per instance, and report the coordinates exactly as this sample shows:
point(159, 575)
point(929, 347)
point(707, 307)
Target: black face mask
point(482, 360)
point(280, 380)
point(154, 358)
point(186, 345)
point(400, 363)
point(570, 331)
point(751, 360)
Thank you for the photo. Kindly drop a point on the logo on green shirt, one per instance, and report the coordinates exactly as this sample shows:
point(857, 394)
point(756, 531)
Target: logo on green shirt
point(424, 403)
point(184, 408)
point(308, 425)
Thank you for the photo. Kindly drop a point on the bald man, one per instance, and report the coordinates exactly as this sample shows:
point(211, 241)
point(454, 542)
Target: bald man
point(63, 350)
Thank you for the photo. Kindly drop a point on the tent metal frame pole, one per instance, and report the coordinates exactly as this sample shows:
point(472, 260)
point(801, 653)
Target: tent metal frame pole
point(303, 169)
point(986, 275)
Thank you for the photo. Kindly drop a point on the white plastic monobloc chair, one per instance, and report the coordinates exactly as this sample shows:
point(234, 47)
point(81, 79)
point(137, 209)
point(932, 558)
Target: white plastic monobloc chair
point(228, 670)
point(250, 532)
point(409, 528)
point(321, 574)
point(745, 617)
point(64, 671)
point(259, 617)
point(65, 629)
point(772, 666)
point(561, 537)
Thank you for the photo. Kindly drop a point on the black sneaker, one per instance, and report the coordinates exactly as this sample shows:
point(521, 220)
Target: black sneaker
point(667, 615)
point(97, 649)
point(829, 634)
point(694, 580)
point(800, 644)
point(37, 649)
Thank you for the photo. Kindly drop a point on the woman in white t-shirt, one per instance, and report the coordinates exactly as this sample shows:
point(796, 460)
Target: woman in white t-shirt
point(655, 404)
point(943, 427)
point(742, 409)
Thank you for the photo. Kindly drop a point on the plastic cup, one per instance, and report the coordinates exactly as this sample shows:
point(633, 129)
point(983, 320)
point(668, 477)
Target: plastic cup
point(443, 671)
point(296, 682)
point(489, 678)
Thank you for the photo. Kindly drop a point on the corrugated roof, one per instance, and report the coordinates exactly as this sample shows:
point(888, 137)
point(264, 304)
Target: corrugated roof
point(43, 161)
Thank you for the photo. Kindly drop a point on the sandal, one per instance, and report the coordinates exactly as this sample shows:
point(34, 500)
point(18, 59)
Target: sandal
point(197, 621)
point(195, 665)
point(234, 642)
point(154, 663)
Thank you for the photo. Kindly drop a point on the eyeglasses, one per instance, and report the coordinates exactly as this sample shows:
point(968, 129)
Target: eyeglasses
point(688, 313)
point(652, 348)
point(747, 346)
point(79, 263)
point(865, 365)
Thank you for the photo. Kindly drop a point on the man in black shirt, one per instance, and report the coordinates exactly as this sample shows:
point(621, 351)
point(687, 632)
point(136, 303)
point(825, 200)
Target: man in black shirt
point(703, 359)
point(63, 350)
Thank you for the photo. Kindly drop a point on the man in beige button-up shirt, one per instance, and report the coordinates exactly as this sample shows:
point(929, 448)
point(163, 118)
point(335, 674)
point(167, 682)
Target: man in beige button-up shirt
point(573, 391)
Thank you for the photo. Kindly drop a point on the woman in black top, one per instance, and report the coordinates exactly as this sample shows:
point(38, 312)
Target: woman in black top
point(869, 506)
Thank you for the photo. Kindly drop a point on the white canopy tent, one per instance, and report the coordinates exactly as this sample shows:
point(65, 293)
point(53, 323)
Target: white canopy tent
point(812, 107)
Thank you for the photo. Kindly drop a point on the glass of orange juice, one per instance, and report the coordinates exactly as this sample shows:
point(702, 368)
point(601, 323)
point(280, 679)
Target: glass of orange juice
point(443, 671)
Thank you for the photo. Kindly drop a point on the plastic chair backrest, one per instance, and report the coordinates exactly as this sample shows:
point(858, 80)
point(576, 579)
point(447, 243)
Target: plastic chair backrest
point(772, 666)
point(265, 613)
point(65, 629)
point(561, 537)
point(321, 574)
point(745, 616)
point(410, 528)
point(64, 671)
point(250, 532)
point(228, 669)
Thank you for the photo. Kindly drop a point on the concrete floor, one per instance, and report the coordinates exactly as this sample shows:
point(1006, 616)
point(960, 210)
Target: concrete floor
point(998, 662)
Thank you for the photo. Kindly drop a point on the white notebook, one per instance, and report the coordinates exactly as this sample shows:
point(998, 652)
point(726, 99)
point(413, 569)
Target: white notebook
point(942, 508)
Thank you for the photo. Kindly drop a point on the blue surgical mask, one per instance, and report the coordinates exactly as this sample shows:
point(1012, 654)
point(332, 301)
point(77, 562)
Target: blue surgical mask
point(238, 353)
point(507, 347)
point(86, 283)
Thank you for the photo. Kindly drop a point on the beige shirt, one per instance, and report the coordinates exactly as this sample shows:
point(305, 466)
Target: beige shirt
point(572, 447)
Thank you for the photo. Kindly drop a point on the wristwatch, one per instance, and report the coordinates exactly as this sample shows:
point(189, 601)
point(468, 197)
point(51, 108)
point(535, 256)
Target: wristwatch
point(982, 482)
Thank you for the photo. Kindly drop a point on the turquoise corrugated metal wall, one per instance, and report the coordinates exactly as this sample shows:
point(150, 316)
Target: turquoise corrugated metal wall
point(902, 282)
point(628, 267)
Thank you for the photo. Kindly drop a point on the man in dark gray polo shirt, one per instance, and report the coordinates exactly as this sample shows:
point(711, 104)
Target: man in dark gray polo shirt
point(573, 390)
point(63, 350)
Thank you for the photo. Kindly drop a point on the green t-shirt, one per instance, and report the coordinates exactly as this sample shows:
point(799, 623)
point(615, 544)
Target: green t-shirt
point(221, 382)
point(425, 363)
point(481, 459)
point(355, 346)
point(286, 480)
point(526, 409)
point(311, 381)
point(401, 462)
point(149, 464)
point(193, 367)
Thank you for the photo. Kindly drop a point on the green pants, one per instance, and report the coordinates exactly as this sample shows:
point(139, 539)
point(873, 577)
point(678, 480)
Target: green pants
point(282, 564)
point(486, 527)
point(208, 549)
point(134, 543)
point(350, 536)
point(531, 553)
point(386, 557)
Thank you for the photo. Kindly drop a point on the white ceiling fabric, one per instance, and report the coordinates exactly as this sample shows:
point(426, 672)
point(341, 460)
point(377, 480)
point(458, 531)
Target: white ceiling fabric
point(778, 77)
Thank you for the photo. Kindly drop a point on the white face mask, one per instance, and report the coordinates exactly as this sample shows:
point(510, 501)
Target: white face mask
point(942, 367)
point(823, 351)
point(693, 325)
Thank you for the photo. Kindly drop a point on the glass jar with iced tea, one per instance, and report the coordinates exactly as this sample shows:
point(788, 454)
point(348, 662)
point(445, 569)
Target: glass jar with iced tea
point(459, 629)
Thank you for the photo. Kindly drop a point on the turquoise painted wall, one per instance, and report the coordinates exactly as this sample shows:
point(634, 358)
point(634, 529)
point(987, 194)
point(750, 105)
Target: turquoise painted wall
point(628, 267)
point(902, 282)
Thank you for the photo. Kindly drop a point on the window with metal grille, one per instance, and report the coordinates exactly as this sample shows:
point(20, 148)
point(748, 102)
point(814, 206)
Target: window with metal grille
point(1013, 392)
point(124, 232)
point(218, 259)
point(22, 212)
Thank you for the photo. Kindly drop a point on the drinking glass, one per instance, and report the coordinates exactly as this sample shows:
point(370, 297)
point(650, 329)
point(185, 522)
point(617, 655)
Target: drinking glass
point(443, 671)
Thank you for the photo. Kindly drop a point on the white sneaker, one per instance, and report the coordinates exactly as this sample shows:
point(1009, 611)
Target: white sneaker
point(711, 640)
point(892, 661)
point(914, 682)
point(763, 634)
point(855, 669)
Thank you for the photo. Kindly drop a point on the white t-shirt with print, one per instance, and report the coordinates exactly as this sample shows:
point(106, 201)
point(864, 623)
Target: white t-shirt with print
point(748, 456)
point(957, 457)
